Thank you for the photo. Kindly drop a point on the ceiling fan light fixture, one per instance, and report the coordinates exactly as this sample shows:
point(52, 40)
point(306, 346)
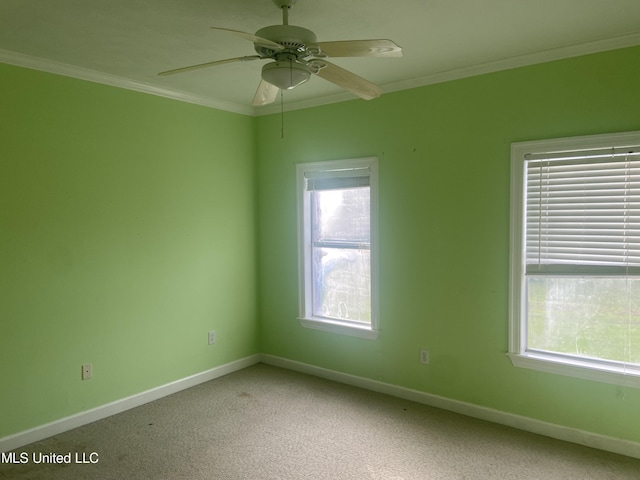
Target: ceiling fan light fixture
point(285, 74)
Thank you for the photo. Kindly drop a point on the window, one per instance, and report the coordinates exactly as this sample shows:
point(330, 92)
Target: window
point(575, 257)
point(337, 246)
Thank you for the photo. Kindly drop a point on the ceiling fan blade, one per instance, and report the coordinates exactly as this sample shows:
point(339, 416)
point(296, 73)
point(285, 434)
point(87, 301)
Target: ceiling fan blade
point(210, 64)
point(346, 79)
point(265, 94)
point(357, 48)
point(261, 42)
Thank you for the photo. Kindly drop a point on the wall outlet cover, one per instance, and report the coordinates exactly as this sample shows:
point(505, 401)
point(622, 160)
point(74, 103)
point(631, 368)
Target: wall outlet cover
point(424, 356)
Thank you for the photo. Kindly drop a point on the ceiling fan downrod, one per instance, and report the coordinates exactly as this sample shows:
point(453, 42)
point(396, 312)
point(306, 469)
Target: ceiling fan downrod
point(285, 5)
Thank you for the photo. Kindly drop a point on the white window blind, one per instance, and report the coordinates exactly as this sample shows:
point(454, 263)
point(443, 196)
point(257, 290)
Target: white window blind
point(583, 212)
point(337, 179)
point(575, 257)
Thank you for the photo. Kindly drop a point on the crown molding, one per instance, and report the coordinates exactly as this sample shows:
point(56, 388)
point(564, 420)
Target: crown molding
point(36, 63)
point(561, 53)
point(58, 68)
point(623, 41)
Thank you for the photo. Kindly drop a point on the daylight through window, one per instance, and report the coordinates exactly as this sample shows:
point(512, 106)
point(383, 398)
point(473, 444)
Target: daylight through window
point(576, 256)
point(336, 243)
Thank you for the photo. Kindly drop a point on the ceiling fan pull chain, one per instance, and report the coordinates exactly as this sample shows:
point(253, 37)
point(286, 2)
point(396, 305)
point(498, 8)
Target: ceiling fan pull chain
point(282, 114)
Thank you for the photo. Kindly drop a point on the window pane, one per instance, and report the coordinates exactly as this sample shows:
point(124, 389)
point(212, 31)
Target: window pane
point(342, 215)
point(593, 317)
point(342, 284)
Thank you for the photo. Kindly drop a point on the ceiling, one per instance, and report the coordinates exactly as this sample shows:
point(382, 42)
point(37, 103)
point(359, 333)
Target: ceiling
point(127, 42)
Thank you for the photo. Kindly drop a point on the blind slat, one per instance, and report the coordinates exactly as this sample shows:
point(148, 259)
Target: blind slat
point(585, 156)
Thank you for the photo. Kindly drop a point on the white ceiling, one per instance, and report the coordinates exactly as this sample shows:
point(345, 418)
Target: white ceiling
point(127, 42)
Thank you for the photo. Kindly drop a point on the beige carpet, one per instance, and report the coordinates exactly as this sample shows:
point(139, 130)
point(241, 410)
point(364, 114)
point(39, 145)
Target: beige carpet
point(267, 423)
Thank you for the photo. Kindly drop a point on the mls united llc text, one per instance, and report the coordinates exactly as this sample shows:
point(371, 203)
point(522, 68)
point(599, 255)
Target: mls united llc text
point(52, 457)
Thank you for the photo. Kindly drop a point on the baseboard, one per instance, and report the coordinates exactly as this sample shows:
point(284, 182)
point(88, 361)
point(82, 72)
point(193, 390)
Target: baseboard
point(83, 418)
point(601, 442)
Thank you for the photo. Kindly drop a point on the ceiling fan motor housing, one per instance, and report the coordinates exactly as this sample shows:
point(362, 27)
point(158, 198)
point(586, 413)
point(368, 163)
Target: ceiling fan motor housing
point(285, 73)
point(295, 39)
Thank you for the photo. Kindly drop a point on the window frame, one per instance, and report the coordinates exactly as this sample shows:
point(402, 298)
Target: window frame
point(305, 298)
point(618, 373)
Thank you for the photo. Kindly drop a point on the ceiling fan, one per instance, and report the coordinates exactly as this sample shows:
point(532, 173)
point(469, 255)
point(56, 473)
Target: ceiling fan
point(297, 54)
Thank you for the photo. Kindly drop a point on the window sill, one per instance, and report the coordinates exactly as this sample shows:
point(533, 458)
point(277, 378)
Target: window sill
point(607, 372)
point(341, 328)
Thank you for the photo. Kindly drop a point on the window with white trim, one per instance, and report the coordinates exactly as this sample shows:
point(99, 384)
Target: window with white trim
point(337, 247)
point(575, 257)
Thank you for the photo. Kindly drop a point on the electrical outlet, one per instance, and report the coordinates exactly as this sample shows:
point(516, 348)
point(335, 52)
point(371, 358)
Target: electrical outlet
point(212, 337)
point(424, 356)
point(86, 371)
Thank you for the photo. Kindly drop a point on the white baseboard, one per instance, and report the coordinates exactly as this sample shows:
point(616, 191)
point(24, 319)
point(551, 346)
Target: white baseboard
point(83, 418)
point(602, 442)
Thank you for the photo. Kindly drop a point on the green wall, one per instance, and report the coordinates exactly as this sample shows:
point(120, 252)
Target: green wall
point(444, 231)
point(127, 232)
point(130, 225)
